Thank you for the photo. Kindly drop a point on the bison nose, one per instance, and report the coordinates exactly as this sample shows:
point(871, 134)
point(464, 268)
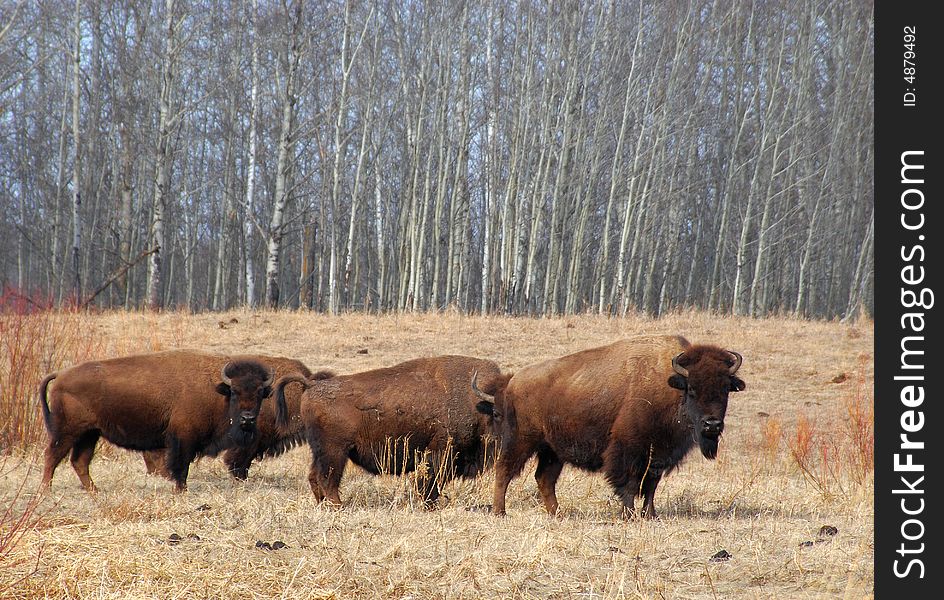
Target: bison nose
point(712, 426)
point(247, 421)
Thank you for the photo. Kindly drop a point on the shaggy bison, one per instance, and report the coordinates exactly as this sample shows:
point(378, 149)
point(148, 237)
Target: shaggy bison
point(271, 440)
point(188, 403)
point(632, 409)
point(418, 415)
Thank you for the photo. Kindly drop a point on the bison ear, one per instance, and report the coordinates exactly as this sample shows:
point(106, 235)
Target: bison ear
point(737, 384)
point(486, 408)
point(678, 382)
point(266, 392)
point(222, 389)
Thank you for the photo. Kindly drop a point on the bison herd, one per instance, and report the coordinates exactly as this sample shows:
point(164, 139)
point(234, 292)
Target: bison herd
point(632, 409)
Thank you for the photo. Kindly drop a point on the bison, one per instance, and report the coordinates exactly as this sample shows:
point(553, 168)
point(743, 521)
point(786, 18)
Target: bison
point(187, 403)
point(632, 409)
point(415, 416)
point(271, 439)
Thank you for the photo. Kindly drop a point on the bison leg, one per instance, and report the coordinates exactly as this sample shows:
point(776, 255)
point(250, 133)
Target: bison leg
point(326, 474)
point(549, 469)
point(56, 451)
point(82, 452)
point(649, 483)
point(625, 483)
point(627, 488)
point(179, 457)
point(155, 463)
point(314, 485)
point(508, 466)
point(627, 467)
point(238, 461)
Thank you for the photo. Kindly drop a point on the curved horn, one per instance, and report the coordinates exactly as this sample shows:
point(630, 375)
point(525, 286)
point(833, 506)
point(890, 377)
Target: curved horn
point(737, 362)
point(268, 382)
point(478, 392)
point(679, 368)
point(226, 379)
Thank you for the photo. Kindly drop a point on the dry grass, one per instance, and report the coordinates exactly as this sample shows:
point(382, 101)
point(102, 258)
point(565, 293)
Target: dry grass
point(757, 501)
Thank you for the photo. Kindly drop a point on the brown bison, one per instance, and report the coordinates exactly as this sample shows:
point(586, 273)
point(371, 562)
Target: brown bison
point(187, 403)
point(415, 416)
point(271, 440)
point(632, 409)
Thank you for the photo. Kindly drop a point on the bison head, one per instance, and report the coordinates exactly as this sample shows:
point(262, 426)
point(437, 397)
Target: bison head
point(246, 383)
point(706, 375)
point(490, 400)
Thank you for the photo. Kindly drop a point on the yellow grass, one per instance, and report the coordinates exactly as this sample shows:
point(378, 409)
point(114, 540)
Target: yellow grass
point(756, 501)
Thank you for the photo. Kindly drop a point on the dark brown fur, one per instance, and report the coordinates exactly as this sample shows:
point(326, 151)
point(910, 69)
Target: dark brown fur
point(417, 414)
point(615, 408)
point(270, 441)
point(172, 401)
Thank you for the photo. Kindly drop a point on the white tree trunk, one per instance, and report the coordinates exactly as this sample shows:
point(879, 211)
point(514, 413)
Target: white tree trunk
point(283, 164)
point(248, 222)
point(155, 300)
point(77, 163)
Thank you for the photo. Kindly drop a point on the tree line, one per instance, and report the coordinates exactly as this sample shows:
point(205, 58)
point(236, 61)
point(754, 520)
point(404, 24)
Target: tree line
point(498, 157)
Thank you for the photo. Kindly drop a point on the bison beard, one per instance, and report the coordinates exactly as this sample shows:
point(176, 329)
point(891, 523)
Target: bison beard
point(241, 436)
point(707, 442)
point(708, 445)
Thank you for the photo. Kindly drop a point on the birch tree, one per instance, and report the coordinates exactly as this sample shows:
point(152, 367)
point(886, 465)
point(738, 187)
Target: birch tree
point(292, 52)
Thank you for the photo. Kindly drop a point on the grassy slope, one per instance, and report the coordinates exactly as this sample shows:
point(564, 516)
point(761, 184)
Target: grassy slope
point(752, 502)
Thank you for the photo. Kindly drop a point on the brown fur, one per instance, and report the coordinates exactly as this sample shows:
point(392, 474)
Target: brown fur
point(417, 415)
point(169, 403)
point(271, 440)
point(613, 409)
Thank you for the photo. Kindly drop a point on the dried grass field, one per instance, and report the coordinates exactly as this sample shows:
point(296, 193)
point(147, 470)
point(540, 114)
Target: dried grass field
point(795, 460)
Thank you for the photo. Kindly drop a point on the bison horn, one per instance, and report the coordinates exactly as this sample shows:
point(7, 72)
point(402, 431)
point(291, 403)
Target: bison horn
point(737, 362)
point(679, 368)
point(226, 379)
point(268, 382)
point(478, 392)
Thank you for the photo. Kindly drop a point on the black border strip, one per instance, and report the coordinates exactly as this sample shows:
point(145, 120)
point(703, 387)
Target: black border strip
point(908, 268)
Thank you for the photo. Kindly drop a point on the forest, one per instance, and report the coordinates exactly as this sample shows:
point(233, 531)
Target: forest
point(495, 157)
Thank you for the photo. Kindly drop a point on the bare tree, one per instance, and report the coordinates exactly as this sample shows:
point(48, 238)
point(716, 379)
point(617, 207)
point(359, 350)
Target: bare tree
point(284, 163)
point(536, 158)
point(163, 157)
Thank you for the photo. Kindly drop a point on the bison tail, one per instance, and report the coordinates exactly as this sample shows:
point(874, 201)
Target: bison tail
point(323, 374)
point(43, 403)
point(281, 409)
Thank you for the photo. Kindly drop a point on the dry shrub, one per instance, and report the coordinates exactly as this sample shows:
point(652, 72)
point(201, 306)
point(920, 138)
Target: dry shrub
point(411, 487)
point(18, 517)
point(34, 341)
point(834, 452)
point(771, 435)
point(860, 424)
